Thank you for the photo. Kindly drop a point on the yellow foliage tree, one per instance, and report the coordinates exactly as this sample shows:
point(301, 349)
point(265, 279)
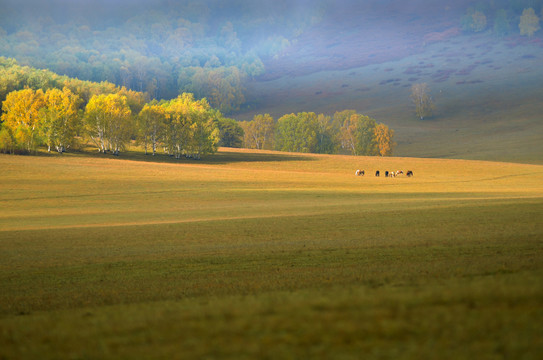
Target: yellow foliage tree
point(59, 118)
point(21, 114)
point(151, 123)
point(529, 22)
point(108, 122)
point(384, 137)
point(259, 132)
point(191, 128)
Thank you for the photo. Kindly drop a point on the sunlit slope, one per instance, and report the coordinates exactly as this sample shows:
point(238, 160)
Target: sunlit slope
point(293, 254)
point(67, 191)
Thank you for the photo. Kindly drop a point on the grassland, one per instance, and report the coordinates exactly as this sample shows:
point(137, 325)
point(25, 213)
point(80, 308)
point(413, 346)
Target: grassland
point(269, 255)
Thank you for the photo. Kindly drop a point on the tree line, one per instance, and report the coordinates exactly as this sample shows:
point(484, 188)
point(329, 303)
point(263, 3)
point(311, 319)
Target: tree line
point(345, 132)
point(39, 107)
point(182, 126)
point(501, 17)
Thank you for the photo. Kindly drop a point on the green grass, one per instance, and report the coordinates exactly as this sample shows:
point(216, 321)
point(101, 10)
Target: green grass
point(269, 255)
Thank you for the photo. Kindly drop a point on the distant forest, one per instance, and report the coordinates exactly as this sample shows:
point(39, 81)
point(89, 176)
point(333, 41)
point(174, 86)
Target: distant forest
point(39, 107)
point(162, 48)
point(207, 47)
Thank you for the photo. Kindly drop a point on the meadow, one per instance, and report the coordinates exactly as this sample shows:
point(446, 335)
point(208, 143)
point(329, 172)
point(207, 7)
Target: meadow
point(260, 254)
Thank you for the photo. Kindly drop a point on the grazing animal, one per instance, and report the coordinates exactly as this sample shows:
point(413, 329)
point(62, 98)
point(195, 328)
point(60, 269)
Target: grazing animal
point(409, 173)
point(386, 173)
point(377, 173)
point(359, 172)
point(399, 172)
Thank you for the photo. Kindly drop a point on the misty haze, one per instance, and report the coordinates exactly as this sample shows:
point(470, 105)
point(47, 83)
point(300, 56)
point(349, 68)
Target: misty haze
point(283, 57)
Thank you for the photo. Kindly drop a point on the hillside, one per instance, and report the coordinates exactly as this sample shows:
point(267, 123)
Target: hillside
point(486, 89)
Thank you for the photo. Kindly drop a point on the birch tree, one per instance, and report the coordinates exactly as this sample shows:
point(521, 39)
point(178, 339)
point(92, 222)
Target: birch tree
point(358, 135)
point(59, 119)
point(151, 125)
point(21, 114)
point(191, 128)
point(108, 122)
point(259, 132)
point(424, 106)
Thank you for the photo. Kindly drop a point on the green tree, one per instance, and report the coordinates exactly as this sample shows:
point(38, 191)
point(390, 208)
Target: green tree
point(358, 135)
point(297, 133)
point(231, 133)
point(529, 22)
point(338, 121)
point(326, 136)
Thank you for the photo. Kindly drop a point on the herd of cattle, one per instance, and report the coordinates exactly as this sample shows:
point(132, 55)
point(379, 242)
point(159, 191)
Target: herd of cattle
point(409, 173)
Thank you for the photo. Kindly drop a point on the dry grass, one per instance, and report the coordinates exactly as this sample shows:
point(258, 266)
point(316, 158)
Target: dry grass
point(269, 255)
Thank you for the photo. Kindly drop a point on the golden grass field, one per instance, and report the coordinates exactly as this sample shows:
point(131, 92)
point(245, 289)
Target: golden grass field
point(257, 254)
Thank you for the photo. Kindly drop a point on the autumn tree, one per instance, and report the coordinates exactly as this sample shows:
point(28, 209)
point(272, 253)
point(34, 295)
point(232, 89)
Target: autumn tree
point(178, 125)
point(204, 134)
point(191, 128)
point(358, 135)
point(529, 22)
point(424, 106)
point(108, 122)
point(59, 119)
point(21, 115)
point(151, 123)
point(7, 141)
point(259, 132)
point(384, 138)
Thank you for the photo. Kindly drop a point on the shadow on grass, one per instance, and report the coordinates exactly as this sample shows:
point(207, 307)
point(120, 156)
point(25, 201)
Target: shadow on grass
point(223, 157)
